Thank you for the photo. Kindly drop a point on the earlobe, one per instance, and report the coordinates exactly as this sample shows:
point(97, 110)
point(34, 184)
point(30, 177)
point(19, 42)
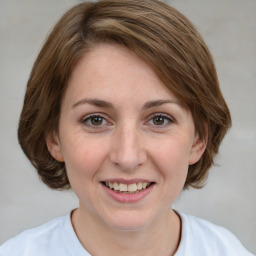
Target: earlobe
point(54, 147)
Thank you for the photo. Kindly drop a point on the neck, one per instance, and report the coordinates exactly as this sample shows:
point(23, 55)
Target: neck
point(162, 237)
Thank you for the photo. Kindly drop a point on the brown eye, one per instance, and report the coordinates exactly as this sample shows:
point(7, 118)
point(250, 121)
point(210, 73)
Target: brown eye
point(96, 120)
point(159, 120)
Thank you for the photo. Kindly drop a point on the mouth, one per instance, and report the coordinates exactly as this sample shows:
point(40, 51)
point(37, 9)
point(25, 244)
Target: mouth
point(123, 188)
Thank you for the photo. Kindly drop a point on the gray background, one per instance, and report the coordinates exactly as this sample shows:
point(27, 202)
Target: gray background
point(228, 27)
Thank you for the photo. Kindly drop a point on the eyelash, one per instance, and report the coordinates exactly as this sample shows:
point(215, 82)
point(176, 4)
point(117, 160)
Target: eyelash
point(167, 119)
point(87, 120)
point(90, 117)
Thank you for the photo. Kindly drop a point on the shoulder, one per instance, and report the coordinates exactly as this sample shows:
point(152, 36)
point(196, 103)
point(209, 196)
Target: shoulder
point(34, 241)
point(205, 238)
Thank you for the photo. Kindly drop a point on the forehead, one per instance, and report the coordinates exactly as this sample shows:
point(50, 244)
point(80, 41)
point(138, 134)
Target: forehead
point(110, 70)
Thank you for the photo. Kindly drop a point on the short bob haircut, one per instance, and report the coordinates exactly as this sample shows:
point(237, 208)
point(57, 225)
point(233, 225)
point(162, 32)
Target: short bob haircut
point(158, 34)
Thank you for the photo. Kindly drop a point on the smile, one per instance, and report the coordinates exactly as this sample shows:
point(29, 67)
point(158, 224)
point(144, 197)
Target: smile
point(127, 188)
point(132, 191)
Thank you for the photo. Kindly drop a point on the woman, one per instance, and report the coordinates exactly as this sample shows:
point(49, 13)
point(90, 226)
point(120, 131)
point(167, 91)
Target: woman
point(123, 106)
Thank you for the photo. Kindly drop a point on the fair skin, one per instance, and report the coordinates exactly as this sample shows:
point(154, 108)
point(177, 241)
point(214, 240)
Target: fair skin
point(120, 124)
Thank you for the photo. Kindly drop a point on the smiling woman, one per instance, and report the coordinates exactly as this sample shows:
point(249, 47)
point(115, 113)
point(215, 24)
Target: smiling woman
point(123, 106)
point(139, 136)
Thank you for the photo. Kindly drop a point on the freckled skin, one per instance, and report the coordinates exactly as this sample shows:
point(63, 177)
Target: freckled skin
point(128, 143)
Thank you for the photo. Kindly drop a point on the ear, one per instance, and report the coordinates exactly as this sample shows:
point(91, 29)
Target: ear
point(198, 148)
point(54, 147)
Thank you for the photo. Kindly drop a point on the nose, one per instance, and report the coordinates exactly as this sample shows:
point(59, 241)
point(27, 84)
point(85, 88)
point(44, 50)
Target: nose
point(127, 152)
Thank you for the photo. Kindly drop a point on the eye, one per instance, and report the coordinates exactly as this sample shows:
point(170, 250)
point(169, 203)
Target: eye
point(94, 121)
point(160, 120)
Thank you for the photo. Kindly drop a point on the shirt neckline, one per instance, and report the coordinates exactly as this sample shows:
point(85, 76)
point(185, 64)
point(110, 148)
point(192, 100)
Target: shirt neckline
point(75, 248)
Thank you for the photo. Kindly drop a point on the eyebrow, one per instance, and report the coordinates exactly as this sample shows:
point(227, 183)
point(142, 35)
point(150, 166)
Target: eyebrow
point(157, 103)
point(95, 102)
point(105, 104)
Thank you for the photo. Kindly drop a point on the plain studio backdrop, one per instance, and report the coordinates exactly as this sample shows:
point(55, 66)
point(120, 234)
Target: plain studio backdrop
point(228, 199)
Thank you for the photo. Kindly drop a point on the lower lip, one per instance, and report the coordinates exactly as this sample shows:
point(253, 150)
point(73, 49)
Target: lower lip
point(127, 198)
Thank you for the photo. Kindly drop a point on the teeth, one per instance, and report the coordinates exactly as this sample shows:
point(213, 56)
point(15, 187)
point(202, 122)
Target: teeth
point(116, 186)
point(144, 185)
point(123, 187)
point(110, 184)
point(139, 185)
point(134, 187)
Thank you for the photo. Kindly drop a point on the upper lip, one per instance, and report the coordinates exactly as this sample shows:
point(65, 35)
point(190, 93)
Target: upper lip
point(126, 181)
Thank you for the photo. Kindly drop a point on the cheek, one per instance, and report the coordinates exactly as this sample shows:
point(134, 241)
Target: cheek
point(83, 159)
point(172, 151)
point(172, 159)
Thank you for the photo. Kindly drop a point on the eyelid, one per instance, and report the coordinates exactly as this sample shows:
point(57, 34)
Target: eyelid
point(163, 115)
point(166, 116)
point(87, 117)
point(100, 114)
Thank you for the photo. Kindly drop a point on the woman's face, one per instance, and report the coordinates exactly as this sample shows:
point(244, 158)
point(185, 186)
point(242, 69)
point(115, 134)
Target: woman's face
point(121, 127)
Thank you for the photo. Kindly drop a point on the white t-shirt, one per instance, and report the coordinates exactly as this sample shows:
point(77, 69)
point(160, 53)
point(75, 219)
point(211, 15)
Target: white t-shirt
point(58, 238)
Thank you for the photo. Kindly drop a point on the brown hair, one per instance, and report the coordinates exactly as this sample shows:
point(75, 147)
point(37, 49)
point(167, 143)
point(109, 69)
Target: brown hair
point(156, 32)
